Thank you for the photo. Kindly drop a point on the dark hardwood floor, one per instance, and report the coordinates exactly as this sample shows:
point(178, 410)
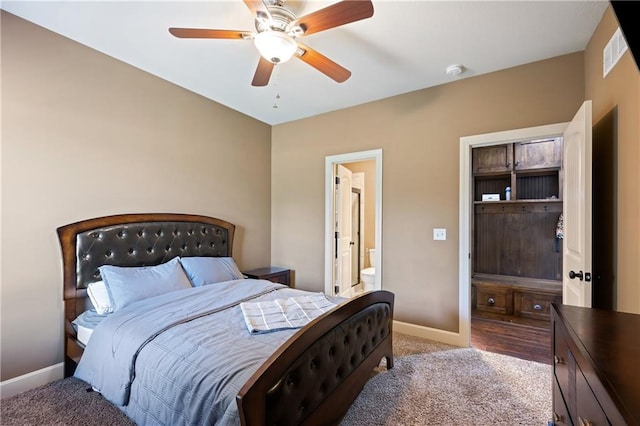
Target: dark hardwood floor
point(518, 340)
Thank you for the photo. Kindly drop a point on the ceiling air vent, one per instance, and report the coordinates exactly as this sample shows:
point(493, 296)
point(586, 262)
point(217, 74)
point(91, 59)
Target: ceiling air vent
point(613, 51)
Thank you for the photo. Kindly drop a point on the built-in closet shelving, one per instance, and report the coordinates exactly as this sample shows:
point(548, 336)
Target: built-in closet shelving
point(517, 257)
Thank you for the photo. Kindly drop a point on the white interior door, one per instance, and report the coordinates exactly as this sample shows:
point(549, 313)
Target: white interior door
point(343, 229)
point(576, 206)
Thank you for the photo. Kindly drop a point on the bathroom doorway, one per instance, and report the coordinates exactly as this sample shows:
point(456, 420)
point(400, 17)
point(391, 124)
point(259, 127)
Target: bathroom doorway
point(364, 214)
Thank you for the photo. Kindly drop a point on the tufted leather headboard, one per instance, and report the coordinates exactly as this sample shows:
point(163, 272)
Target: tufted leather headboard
point(134, 240)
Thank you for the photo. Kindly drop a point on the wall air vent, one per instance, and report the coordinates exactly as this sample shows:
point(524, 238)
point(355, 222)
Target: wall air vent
point(613, 51)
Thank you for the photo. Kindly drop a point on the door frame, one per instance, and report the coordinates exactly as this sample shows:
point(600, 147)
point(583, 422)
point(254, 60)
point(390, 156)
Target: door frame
point(330, 176)
point(467, 143)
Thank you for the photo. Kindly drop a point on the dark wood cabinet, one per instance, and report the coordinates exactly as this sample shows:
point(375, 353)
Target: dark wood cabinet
point(493, 159)
point(272, 273)
point(538, 154)
point(514, 299)
point(595, 376)
point(517, 259)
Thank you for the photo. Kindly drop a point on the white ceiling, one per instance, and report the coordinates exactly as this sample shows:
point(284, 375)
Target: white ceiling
point(405, 46)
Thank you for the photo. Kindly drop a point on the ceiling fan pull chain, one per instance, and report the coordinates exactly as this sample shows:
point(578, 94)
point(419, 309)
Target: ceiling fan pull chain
point(276, 78)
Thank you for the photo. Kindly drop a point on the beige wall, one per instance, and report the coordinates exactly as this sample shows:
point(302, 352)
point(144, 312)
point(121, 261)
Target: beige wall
point(419, 133)
point(84, 135)
point(621, 90)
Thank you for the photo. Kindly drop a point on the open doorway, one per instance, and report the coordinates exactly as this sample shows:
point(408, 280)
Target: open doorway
point(353, 222)
point(575, 182)
point(494, 294)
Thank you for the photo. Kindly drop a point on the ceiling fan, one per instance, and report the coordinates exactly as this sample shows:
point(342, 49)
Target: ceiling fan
point(277, 31)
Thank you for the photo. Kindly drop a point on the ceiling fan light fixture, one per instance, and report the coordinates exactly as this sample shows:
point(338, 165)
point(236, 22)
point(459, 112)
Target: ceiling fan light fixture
point(275, 46)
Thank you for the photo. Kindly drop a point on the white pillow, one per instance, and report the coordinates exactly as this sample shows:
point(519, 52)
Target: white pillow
point(127, 285)
point(210, 270)
point(99, 297)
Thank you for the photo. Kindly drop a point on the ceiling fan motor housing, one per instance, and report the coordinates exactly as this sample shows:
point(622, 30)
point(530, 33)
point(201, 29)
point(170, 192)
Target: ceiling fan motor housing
point(281, 17)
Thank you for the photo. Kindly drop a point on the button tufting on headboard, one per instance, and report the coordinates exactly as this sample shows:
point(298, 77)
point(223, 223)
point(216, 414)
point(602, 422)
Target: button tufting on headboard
point(143, 244)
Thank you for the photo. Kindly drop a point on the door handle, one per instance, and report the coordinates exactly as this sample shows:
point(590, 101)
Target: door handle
point(573, 275)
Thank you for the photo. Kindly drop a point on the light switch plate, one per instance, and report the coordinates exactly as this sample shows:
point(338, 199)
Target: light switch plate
point(439, 234)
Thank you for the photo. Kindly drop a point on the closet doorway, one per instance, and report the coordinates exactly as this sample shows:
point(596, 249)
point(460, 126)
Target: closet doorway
point(519, 298)
point(494, 290)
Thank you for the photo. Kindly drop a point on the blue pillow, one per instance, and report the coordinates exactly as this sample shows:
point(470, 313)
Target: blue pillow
point(210, 270)
point(131, 284)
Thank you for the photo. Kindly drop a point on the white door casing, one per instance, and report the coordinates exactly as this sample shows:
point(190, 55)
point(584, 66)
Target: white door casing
point(576, 207)
point(343, 229)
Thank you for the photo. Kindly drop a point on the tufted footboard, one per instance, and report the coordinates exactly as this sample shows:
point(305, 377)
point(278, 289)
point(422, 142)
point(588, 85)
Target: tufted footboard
point(317, 374)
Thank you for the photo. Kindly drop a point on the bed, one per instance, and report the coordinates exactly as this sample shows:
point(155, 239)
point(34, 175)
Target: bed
point(307, 375)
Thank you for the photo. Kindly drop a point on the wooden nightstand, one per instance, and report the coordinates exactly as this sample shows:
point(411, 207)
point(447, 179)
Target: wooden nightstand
point(271, 273)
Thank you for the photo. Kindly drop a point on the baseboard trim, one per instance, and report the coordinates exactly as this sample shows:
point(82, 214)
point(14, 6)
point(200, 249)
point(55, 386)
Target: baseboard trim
point(31, 380)
point(429, 333)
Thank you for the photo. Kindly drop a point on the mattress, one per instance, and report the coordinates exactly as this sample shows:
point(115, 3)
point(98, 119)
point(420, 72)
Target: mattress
point(85, 323)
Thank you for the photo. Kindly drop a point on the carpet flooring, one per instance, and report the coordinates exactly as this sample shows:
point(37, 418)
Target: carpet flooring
point(437, 384)
point(431, 384)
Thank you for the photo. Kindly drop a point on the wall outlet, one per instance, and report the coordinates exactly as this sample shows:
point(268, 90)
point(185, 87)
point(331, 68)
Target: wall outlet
point(439, 234)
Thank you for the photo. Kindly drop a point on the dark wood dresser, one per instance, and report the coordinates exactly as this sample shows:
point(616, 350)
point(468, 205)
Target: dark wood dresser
point(596, 356)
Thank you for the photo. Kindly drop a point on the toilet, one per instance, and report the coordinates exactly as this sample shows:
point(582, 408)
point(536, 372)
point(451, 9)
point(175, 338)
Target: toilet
point(369, 274)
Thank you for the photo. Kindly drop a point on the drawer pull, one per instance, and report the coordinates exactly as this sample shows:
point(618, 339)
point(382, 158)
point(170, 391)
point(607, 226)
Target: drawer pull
point(584, 422)
point(491, 301)
point(537, 307)
point(558, 360)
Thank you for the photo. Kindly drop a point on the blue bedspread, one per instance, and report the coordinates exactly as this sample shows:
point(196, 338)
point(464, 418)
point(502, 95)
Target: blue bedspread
point(181, 358)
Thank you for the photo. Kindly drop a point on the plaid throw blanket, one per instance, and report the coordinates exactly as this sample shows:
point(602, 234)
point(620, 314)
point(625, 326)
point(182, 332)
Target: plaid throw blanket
point(280, 314)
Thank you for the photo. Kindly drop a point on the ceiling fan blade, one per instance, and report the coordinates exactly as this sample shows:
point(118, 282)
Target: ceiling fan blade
point(323, 64)
point(258, 8)
point(335, 15)
point(263, 73)
point(205, 33)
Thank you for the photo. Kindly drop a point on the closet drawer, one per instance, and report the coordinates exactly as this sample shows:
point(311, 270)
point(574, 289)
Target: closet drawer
point(494, 299)
point(534, 305)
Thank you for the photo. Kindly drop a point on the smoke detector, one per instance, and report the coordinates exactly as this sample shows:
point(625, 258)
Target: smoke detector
point(454, 70)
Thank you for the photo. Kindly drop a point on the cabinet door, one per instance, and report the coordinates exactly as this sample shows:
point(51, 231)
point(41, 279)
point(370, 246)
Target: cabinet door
point(541, 154)
point(493, 159)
